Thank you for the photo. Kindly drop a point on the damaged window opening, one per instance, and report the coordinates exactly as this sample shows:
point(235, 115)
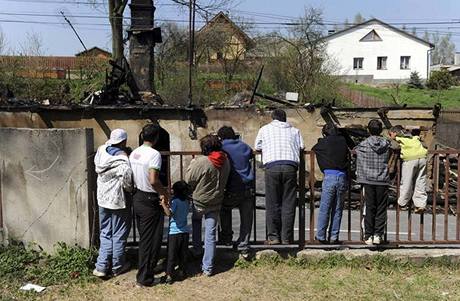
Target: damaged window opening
point(405, 63)
point(382, 63)
point(358, 63)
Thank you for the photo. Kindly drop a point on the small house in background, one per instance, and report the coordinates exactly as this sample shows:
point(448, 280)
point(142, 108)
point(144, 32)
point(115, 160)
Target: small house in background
point(227, 40)
point(95, 52)
point(376, 52)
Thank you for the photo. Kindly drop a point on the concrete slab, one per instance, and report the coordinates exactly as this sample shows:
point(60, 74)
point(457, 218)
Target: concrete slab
point(44, 185)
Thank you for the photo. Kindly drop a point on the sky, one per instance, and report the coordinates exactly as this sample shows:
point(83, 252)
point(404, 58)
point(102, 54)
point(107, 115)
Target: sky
point(22, 18)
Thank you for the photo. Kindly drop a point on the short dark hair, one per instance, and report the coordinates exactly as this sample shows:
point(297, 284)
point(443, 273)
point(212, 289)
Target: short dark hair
point(375, 127)
point(150, 133)
point(209, 144)
point(398, 129)
point(226, 132)
point(181, 189)
point(279, 115)
point(329, 129)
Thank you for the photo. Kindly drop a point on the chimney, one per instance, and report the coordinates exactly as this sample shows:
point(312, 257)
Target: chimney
point(142, 39)
point(457, 59)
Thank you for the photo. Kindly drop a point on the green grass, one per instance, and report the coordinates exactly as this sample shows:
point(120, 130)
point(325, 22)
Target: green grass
point(413, 97)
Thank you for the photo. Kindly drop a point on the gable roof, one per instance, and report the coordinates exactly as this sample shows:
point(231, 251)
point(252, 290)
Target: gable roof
point(374, 20)
point(221, 16)
point(93, 49)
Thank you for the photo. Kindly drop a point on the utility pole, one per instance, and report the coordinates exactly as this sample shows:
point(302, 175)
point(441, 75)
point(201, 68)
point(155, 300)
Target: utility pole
point(191, 53)
point(76, 33)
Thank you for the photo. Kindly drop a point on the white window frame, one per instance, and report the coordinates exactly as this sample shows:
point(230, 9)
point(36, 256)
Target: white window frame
point(356, 63)
point(404, 62)
point(383, 63)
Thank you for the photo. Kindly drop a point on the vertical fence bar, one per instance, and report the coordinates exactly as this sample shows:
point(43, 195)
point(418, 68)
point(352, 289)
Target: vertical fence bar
point(361, 194)
point(169, 172)
point(457, 237)
point(302, 168)
point(446, 197)
point(349, 204)
point(422, 226)
point(409, 221)
point(181, 163)
point(435, 194)
point(312, 196)
point(398, 188)
point(254, 191)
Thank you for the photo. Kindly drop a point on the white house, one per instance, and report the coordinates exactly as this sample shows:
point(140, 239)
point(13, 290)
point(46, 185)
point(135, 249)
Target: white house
point(376, 52)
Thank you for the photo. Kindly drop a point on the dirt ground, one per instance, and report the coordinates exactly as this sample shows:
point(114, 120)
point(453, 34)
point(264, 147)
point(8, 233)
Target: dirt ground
point(283, 280)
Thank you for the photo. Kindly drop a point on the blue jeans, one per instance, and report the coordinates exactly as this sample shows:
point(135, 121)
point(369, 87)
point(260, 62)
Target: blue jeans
point(210, 234)
point(332, 198)
point(114, 228)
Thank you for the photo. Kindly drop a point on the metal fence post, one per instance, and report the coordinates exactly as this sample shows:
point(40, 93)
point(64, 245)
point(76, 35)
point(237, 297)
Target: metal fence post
point(302, 168)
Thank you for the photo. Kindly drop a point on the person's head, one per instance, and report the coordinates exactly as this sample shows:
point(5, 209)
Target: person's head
point(279, 115)
point(150, 133)
point(375, 127)
point(209, 144)
point(118, 138)
point(396, 131)
point(329, 129)
point(226, 132)
point(181, 190)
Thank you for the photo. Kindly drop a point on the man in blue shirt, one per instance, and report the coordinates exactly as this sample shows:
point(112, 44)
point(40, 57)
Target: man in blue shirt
point(238, 192)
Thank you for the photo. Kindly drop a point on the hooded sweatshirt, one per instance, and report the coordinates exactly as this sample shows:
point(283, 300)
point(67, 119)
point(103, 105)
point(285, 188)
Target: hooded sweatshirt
point(280, 143)
point(114, 176)
point(372, 161)
point(207, 176)
point(240, 155)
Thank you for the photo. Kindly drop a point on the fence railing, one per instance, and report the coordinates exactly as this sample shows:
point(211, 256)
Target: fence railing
point(403, 227)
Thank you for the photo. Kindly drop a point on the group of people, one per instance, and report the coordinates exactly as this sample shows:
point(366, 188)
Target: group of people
point(223, 179)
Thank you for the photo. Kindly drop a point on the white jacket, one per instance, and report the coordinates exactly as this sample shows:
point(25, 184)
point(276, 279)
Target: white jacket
point(114, 177)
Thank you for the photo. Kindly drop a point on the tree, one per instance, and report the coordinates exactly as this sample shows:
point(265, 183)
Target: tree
point(304, 63)
point(440, 80)
point(33, 45)
point(444, 51)
point(415, 81)
point(116, 8)
point(358, 19)
point(2, 41)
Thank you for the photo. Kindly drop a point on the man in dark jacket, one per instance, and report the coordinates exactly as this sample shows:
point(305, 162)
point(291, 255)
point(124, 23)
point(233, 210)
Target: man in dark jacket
point(238, 190)
point(333, 156)
point(372, 157)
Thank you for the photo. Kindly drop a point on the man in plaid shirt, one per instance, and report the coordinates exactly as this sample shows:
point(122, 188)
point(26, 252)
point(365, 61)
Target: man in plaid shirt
point(280, 144)
point(372, 157)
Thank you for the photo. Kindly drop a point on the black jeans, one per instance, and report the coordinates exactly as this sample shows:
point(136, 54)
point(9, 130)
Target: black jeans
point(244, 202)
point(149, 215)
point(280, 202)
point(376, 200)
point(177, 252)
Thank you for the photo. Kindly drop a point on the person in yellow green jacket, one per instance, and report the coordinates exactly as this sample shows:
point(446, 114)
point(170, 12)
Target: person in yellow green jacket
point(413, 171)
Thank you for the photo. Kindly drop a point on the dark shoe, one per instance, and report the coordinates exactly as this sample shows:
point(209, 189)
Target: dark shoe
point(336, 242)
point(125, 268)
point(271, 242)
point(167, 279)
point(160, 267)
point(419, 210)
point(226, 243)
point(322, 241)
point(245, 254)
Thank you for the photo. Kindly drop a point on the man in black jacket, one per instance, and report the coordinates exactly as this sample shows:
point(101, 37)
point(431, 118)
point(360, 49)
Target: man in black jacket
point(333, 156)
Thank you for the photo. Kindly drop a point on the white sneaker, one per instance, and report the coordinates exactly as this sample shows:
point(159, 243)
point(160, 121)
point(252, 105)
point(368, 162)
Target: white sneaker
point(377, 240)
point(99, 274)
point(369, 241)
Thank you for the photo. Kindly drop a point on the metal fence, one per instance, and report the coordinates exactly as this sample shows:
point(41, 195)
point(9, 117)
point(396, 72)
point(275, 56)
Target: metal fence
point(403, 227)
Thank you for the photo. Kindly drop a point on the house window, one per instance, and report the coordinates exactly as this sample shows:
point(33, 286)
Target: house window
point(358, 63)
point(381, 63)
point(405, 62)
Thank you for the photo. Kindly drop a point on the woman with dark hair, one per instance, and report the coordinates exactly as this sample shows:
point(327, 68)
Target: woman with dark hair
point(207, 177)
point(146, 165)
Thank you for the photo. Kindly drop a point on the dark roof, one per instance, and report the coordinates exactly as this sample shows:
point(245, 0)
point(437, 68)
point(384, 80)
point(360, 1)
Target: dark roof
point(222, 15)
point(374, 20)
point(93, 49)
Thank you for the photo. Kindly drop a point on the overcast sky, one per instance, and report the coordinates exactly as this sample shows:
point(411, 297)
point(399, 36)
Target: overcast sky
point(58, 39)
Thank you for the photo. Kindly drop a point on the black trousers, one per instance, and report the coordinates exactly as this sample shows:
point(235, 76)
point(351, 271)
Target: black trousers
point(376, 200)
point(280, 202)
point(149, 215)
point(177, 252)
